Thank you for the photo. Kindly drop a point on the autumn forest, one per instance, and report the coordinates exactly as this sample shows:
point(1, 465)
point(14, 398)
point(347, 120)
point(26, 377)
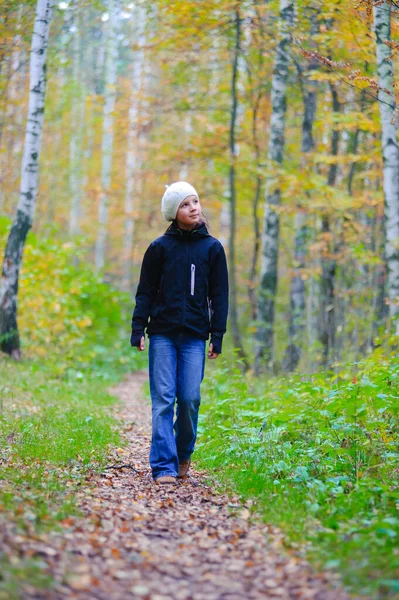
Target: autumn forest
point(276, 113)
point(283, 116)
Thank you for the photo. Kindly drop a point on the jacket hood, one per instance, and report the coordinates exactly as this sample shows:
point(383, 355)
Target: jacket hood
point(200, 230)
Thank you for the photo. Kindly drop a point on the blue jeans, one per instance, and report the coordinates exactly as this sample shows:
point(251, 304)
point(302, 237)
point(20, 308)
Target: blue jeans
point(177, 364)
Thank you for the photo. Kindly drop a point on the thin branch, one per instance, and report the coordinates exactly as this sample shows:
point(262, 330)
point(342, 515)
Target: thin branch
point(329, 64)
point(122, 467)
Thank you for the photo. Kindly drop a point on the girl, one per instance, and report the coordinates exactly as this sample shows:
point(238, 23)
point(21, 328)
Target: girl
point(183, 290)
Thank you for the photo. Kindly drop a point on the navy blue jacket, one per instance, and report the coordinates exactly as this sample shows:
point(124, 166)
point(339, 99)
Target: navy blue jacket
point(183, 287)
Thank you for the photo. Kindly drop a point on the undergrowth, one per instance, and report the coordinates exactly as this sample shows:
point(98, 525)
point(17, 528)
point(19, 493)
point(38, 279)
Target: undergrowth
point(319, 457)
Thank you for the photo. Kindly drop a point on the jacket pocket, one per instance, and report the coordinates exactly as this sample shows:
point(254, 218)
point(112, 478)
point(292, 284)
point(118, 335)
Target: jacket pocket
point(192, 281)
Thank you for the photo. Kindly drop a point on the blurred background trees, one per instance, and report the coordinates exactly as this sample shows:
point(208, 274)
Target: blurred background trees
point(249, 101)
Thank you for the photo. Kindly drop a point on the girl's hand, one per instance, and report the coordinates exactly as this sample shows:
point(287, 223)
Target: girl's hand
point(142, 345)
point(211, 353)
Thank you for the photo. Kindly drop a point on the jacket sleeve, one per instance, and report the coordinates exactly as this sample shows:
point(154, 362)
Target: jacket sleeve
point(219, 297)
point(147, 289)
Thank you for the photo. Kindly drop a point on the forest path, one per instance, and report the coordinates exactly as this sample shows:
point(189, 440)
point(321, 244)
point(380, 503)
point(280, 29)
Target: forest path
point(140, 540)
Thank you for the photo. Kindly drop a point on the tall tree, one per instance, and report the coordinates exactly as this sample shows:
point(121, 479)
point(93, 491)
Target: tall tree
point(327, 324)
point(270, 236)
point(56, 175)
point(256, 94)
point(108, 132)
point(297, 285)
point(232, 189)
point(133, 150)
point(187, 132)
point(76, 141)
point(9, 337)
point(212, 94)
point(390, 151)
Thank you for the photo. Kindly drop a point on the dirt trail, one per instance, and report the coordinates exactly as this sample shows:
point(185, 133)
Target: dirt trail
point(140, 540)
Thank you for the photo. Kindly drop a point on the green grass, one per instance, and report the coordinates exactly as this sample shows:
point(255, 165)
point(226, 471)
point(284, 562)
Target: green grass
point(53, 433)
point(56, 418)
point(17, 572)
point(319, 456)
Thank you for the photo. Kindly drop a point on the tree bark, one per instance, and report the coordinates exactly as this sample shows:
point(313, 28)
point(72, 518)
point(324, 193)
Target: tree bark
point(327, 325)
point(232, 188)
point(133, 150)
point(212, 94)
point(9, 336)
point(268, 275)
point(188, 130)
point(256, 96)
point(297, 285)
point(76, 142)
point(256, 245)
point(108, 134)
point(390, 153)
point(60, 77)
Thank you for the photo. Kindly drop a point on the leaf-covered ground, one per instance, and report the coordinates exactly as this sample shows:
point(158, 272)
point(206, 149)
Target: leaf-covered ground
point(134, 539)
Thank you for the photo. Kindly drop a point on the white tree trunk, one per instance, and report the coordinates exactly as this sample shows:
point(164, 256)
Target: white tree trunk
point(212, 96)
point(224, 217)
point(9, 337)
point(76, 141)
point(108, 133)
point(234, 112)
point(93, 63)
point(268, 274)
point(133, 161)
point(58, 140)
point(188, 130)
point(225, 212)
point(390, 152)
point(297, 284)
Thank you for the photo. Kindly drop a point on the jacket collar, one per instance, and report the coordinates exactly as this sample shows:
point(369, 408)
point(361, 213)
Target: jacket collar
point(200, 230)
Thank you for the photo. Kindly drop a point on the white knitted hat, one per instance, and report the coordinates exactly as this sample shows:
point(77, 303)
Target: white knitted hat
point(173, 196)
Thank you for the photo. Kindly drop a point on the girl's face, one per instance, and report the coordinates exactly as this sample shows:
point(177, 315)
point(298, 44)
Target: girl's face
point(189, 213)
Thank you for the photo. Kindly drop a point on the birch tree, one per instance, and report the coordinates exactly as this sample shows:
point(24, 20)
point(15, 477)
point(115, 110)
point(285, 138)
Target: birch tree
point(9, 336)
point(133, 150)
point(76, 141)
point(232, 188)
point(270, 236)
point(328, 263)
point(256, 93)
point(297, 285)
point(390, 152)
point(56, 175)
point(212, 94)
point(108, 133)
point(187, 133)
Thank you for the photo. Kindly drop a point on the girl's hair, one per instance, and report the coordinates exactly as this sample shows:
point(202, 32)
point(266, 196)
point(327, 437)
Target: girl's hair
point(203, 219)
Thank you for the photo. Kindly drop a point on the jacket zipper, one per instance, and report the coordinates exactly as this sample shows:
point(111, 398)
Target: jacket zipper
point(192, 279)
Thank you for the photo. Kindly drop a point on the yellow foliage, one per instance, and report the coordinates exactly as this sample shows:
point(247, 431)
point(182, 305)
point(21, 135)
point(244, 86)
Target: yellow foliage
point(85, 322)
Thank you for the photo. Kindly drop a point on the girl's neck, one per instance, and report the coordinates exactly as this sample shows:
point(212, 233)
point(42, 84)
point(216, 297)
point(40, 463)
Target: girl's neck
point(187, 227)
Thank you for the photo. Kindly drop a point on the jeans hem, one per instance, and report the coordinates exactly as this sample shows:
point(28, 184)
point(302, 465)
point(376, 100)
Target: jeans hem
point(163, 474)
point(184, 459)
